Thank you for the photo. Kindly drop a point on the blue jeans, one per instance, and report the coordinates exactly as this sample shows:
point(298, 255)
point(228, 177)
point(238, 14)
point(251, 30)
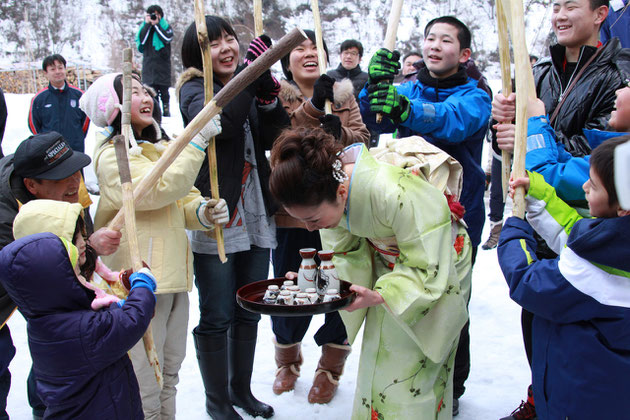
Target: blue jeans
point(217, 284)
point(7, 351)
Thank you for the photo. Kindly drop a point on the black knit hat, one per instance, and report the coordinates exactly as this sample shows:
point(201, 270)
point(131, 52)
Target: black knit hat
point(47, 156)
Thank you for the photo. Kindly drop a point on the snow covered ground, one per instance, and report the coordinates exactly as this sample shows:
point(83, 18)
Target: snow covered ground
point(499, 373)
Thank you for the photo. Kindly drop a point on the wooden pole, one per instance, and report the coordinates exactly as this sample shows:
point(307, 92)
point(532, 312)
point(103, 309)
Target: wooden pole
point(229, 91)
point(258, 18)
point(208, 83)
point(121, 145)
point(390, 35)
point(321, 53)
point(506, 78)
point(526, 90)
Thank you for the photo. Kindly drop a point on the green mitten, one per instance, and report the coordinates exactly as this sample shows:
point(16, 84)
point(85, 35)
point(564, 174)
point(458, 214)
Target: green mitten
point(385, 99)
point(384, 65)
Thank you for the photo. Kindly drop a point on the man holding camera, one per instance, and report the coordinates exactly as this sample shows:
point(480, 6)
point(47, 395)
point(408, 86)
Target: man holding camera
point(154, 42)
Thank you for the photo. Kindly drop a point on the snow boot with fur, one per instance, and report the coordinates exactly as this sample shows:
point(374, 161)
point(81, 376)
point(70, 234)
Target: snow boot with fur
point(329, 370)
point(288, 359)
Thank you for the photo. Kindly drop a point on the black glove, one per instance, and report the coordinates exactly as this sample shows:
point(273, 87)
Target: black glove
point(256, 48)
point(267, 88)
point(384, 66)
point(323, 90)
point(331, 124)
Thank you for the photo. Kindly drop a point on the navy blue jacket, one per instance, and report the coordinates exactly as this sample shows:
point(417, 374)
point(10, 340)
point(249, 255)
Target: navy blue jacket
point(58, 110)
point(79, 355)
point(455, 119)
point(581, 307)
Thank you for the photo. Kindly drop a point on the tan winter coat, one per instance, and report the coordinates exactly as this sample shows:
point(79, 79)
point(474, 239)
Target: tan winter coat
point(304, 114)
point(161, 218)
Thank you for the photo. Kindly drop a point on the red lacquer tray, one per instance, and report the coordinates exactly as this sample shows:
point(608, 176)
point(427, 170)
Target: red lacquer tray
point(250, 298)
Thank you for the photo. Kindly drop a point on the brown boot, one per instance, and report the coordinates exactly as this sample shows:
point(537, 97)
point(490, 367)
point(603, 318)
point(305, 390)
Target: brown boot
point(329, 369)
point(288, 359)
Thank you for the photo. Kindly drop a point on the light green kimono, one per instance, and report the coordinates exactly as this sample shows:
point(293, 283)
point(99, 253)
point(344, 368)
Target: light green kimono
point(409, 343)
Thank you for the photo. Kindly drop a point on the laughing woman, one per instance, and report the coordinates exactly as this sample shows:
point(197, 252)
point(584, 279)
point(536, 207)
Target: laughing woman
point(225, 338)
point(392, 236)
point(162, 217)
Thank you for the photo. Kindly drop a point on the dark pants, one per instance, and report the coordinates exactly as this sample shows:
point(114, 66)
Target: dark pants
point(217, 284)
point(462, 356)
point(7, 351)
point(286, 257)
point(162, 93)
point(496, 192)
point(34, 400)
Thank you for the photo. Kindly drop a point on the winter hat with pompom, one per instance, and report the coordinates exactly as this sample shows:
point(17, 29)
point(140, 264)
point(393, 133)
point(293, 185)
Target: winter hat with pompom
point(100, 102)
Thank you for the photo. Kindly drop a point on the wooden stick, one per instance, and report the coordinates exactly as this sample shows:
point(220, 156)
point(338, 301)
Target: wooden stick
point(506, 78)
point(321, 53)
point(208, 83)
point(121, 145)
point(258, 18)
point(526, 89)
point(390, 35)
point(229, 91)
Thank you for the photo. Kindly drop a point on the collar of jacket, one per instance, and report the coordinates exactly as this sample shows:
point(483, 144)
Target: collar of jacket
point(456, 79)
point(54, 89)
point(609, 49)
point(349, 73)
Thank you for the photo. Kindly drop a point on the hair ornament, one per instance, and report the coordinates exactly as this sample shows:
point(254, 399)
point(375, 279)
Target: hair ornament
point(337, 172)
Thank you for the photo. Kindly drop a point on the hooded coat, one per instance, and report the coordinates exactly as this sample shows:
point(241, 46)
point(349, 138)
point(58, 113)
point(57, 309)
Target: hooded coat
point(79, 356)
point(589, 104)
point(581, 345)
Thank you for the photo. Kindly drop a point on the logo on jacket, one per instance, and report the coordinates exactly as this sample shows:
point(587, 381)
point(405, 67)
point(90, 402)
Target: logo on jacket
point(73, 103)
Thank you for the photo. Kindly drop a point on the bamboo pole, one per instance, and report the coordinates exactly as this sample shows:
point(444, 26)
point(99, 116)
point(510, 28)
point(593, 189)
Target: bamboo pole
point(208, 83)
point(527, 89)
point(258, 18)
point(390, 34)
point(229, 91)
point(506, 78)
point(121, 145)
point(321, 53)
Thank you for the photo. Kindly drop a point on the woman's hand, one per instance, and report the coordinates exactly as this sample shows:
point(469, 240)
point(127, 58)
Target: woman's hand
point(365, 298)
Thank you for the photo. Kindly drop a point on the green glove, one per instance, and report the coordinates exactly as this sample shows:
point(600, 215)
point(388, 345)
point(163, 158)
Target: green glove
point(385, 99)
point(384, 65)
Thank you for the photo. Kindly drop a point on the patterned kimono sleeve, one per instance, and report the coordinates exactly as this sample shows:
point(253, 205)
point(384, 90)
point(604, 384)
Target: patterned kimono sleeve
point(353, 261)
point(423, 291)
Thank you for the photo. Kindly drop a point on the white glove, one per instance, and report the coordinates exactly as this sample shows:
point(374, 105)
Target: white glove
point(212, 129)
point(213, 212)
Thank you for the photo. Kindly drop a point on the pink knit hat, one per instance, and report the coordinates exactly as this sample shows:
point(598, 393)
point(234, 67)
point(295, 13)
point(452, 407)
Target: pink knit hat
point(100, 102)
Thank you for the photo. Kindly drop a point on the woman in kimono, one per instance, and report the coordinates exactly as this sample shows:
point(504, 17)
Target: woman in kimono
point(393, 238)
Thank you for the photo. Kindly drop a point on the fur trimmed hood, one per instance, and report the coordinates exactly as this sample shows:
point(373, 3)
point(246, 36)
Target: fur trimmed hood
point(188, 74)
point(290, 92)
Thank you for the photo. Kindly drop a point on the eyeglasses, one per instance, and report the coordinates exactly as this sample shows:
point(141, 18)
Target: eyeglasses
point(350, 53)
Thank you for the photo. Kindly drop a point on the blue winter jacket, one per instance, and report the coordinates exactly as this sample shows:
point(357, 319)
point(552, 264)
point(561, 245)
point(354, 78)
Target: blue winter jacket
point(581, 307)
point(455, 120)
point(560, 169)
point(58, 110)
point(79, 355)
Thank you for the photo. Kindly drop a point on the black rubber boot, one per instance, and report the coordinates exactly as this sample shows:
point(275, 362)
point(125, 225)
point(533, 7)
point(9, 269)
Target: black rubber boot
point(242, 346)
point(212, 358)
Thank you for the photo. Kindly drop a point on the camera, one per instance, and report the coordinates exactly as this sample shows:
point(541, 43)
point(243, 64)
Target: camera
point(153, 16)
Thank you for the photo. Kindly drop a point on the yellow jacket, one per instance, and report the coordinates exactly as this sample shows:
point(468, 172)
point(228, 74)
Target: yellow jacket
point(161, 218)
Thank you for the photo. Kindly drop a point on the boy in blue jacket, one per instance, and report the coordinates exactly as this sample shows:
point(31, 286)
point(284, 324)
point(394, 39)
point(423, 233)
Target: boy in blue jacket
point(79, 355)
point(581, 299)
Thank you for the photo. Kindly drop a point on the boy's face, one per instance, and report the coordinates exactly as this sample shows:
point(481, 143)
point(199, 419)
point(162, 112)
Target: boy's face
point(56, 74)
point(620, 117)
point(441, 51)
point(350, 58)
point(574, 23)
point(407, 67)
point(597, 196)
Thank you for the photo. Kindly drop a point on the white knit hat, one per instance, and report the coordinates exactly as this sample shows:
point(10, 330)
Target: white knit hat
point(100, 102)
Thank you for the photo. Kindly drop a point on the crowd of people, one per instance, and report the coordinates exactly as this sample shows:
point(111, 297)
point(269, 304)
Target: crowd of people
point(404, 218)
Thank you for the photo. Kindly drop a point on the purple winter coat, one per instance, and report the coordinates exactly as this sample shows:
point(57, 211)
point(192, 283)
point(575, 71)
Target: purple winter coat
point(79, 355)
